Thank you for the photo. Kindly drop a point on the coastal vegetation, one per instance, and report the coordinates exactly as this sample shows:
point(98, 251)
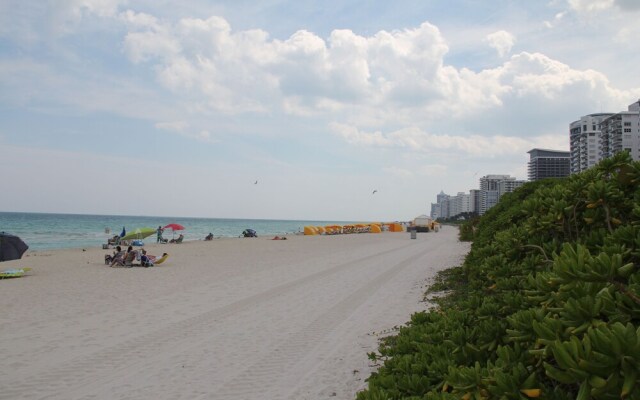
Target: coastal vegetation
point(545, 305)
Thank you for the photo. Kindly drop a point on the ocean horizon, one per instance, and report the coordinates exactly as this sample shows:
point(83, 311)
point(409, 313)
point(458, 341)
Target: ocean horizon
point(47, 231)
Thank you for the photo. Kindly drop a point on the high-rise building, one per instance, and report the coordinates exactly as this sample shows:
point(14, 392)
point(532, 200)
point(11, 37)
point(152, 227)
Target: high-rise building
point(440, 209)
point(584, 138)
point(450, 206)
point(621, 132)
point(492, 187)
point(474, 200)
point(459, 204)
point(598, 136)
point(442, 196)
point(435, 211)
point(548, 164)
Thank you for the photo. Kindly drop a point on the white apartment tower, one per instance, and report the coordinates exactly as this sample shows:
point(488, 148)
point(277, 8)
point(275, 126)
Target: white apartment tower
point(584, 137)
point(440, 209)
point(459, 204)
point(621, 132)
point(494, 186)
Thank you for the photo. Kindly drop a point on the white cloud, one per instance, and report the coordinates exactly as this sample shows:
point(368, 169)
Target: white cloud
point(174, 126)
point(395, 78)
point(501, 41)
point(591, 5)
point(416, 140)
point(183, 128)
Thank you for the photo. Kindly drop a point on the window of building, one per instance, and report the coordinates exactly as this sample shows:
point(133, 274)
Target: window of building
point(627, 124)
point(627, 130)
point(584, 128)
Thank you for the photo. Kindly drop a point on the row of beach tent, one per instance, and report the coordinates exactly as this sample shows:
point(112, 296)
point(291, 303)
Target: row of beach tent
point(354, 228)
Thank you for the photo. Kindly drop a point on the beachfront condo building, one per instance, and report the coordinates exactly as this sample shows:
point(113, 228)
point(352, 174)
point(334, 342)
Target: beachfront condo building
point(447, 206)
point(598, 136)
point(478, 201)
point(584, 141)
point(548, 164)
point(460, 203)
point(492, 187)
point(440, 209)
point(621, 132)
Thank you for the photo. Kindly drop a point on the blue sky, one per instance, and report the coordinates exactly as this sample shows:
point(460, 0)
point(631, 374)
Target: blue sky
point(157, 108)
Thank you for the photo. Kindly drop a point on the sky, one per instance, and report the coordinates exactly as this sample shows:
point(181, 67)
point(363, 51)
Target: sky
point(294, 109)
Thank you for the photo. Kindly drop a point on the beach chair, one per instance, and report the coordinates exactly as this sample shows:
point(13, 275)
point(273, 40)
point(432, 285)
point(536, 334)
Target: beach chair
point(116, 261)
point(178, 240)
point(130, 258)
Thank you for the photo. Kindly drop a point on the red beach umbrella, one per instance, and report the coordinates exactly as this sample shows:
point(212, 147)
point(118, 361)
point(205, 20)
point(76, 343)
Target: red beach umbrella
point(174, 227)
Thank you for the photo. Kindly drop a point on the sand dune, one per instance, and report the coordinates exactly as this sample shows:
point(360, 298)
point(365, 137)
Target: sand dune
point(227, 319)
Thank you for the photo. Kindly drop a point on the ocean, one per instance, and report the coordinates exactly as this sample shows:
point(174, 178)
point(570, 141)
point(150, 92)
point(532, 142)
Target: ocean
point(60, 231)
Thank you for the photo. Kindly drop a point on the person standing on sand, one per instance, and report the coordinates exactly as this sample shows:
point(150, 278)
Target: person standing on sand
point(159, 235)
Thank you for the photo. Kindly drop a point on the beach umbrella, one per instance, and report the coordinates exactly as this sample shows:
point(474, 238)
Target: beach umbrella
point(174, 228)
point(139, 233)
point(11, 247)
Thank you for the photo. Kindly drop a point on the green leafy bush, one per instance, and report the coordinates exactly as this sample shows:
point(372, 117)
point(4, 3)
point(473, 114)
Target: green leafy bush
point(546, 304)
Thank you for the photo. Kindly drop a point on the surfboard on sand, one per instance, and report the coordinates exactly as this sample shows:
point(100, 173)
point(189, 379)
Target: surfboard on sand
point(14, 273)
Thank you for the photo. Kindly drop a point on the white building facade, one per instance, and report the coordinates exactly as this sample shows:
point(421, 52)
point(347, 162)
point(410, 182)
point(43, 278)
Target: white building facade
point(598, 136)
point(621, 132)
point(449, 206)
point(492, 187)
point(584, 139)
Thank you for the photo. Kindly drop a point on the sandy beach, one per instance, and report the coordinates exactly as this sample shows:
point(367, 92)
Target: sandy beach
point(248, 318)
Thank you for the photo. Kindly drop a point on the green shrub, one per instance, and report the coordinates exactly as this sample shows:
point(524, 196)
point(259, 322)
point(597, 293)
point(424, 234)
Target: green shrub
point(546, 303)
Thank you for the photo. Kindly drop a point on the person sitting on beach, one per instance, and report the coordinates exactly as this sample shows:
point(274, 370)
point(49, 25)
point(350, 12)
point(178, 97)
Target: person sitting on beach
point(116, 259)
point(130, 257)
point(146, 260)
point(178, 240)
point(209, 236)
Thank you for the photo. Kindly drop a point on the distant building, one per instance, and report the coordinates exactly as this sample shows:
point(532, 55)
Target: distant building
point(492, 187)
point(474, 200)
point(449, 206)
point(458, 204)
point(548, 164)
point(440, 209)
point(435, 211)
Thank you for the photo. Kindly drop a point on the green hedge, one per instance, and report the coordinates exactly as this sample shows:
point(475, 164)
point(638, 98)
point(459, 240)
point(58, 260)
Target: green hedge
point(546, 304)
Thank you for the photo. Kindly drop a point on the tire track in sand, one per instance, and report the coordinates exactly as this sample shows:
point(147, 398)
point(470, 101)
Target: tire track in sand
point(68, 381)
point(263, 379)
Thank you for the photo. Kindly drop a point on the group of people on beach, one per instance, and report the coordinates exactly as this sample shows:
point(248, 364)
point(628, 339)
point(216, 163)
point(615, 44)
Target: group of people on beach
point(160, 239)
point(121, 258)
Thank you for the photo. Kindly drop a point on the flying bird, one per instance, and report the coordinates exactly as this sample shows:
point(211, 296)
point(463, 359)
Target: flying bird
point(255, 183)
point(375, 191)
